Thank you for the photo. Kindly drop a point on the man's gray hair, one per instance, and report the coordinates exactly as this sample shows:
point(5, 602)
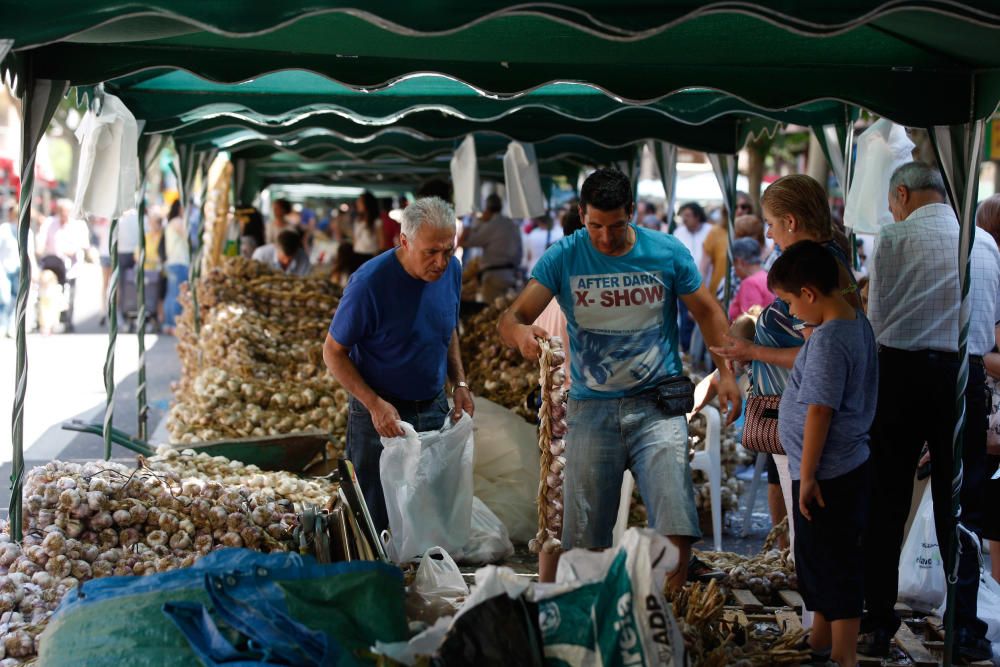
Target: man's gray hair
point(917, 176)
point(432, 211)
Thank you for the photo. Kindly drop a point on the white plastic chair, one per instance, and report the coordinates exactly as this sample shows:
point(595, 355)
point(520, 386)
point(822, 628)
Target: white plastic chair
point(709, 461)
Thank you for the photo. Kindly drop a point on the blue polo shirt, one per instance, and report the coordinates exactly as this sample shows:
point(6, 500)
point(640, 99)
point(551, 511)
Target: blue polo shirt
point(398, 327)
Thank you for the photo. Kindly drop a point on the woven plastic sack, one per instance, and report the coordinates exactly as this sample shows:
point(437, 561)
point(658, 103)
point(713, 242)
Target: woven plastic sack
point(333, 611)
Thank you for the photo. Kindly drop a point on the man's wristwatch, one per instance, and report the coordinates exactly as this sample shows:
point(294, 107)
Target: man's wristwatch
point(457, 385)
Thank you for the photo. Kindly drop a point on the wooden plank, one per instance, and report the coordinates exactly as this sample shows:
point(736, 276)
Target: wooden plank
point(788, 621)
point(867, 661)
point(747, 600)
point(910, 643)
point(792, 599)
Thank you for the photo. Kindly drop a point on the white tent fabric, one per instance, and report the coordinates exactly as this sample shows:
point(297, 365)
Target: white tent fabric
point(465, 178)
point(109, 161)
point(524, 186)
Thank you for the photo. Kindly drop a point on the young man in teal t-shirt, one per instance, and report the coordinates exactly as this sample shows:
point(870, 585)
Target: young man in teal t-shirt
point(618, 286)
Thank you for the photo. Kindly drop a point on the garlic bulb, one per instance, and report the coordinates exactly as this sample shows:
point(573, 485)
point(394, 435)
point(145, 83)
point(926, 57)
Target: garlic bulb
point(551, 429)
point(256, 365)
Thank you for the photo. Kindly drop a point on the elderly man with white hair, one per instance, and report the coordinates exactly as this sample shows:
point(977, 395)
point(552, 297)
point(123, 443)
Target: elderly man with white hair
point(913, 305)
point(394, 340)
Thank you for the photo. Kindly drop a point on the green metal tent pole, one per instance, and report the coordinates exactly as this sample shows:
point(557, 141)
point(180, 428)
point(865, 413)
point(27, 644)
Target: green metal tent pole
point(725, 168)
point(149, 148)
point(40, 97)
point(140, 287)
point(958, 149)
point(109, 360)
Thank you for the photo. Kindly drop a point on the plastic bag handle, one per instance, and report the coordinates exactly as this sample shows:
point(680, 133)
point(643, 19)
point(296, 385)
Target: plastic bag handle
point(204, 637)
point(267, 625)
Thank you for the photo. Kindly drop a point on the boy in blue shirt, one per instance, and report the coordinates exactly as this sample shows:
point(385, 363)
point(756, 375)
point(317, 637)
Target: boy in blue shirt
point(825, 414)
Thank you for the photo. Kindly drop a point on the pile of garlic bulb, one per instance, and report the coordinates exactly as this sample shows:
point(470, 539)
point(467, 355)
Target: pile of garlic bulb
point(495, 371)
point(255, 367)
point(551, 433)
point(84, 521)
point(221, 405)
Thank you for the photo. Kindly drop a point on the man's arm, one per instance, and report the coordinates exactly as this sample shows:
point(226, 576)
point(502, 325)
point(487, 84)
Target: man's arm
point(456, 373)
point(708, 314)
point(516, 326)
point(385, 418)
point(817, 426)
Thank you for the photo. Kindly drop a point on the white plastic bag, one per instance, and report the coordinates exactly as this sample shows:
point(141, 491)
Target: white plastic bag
point(505, 470)
point(881, 148)
point(488, 539)
point(438, 575)
point(921, 571)
point(427, 481)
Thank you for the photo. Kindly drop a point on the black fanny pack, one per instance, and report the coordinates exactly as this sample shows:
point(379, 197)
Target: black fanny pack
point(674, 396)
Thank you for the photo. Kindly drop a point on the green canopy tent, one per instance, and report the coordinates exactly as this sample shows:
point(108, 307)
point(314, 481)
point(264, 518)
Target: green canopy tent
point(930, 64)
point(877, 55)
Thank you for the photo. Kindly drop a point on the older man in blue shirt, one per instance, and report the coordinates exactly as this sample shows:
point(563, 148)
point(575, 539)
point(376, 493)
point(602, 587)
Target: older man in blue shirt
point(394, 340)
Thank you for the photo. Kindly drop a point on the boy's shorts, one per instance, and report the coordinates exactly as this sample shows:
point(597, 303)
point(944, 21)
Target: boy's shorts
point(608, 436)
point(829, 559)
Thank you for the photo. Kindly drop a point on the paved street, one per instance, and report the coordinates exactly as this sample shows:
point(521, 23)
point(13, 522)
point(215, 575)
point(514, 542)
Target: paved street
point(66, 381)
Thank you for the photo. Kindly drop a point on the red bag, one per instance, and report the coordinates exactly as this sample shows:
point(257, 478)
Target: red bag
point(760, 426)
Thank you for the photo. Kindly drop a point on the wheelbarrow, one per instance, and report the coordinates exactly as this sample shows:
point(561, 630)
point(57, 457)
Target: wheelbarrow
point(292, 451)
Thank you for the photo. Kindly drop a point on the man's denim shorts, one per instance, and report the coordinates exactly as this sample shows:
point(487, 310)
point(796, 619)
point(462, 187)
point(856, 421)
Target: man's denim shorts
point(605, 437)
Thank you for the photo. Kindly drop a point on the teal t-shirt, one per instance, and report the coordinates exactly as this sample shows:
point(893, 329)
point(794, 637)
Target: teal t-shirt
point(621, 312)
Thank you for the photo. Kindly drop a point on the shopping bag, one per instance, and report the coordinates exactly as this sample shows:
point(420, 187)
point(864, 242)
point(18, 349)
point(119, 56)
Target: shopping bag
point(488, 539)
point(608, 609)
point(921, 571)
point(427, 481)
point(438, 588)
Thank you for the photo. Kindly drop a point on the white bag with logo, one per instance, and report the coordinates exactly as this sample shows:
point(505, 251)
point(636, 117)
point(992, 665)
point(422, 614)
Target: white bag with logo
point(921, 570)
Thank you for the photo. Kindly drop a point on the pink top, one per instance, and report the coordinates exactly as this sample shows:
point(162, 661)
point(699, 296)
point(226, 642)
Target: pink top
point(554, 322)
point(752, 292)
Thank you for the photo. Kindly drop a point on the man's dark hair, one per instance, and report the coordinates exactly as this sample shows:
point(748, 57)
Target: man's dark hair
point(607, 189)
point(385, 203)
point(696, 208)
point(493, 203)
point(804, 264)
point(290, 242)
point(571, 221)
point(283, 205)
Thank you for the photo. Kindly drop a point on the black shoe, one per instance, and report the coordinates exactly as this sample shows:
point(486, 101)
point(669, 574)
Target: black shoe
point(821, 657)
point(699, 570)
point(875, 644)
point(970, 648)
